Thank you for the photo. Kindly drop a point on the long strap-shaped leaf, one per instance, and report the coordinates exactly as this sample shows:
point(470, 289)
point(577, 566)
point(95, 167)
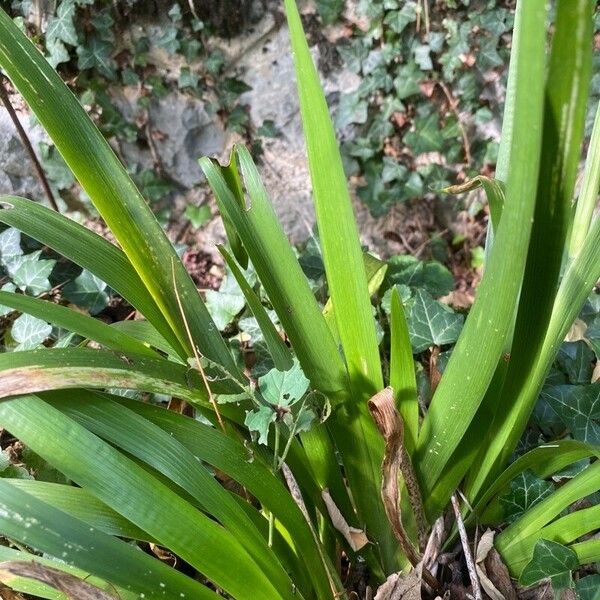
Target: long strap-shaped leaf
point(280, 273)
point(353, 430)
point(48, 369)
point(567, 89)
point(58, 534)
point(136, 494)
point(40, 590)
point(144, 440)
point(88, 250)
point(231, 457)
point(564, 530)
point(338, 231)
point(583, 484)
point(82, 505)
point(480, 345)
point(112, 191)
point(71, 320)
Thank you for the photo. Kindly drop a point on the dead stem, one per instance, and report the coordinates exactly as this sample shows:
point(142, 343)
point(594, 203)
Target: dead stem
point(466, 549)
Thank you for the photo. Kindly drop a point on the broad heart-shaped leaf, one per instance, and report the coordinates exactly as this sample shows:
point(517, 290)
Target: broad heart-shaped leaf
point(549, 560)
point(431, 323)
point(30, 274)
point(225, 304)
point(10, 245)
point(259, 420)
point(29, 332)
point(578, 407)
point(283, 388)
point(588, 588)
point(87, 291)
point(431, 276)
point(526, 490)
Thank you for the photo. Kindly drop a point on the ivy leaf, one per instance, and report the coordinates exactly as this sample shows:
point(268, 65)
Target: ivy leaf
point(575, 359)
point(550, 559)
point(55, 167)
point(31, 275)
point(407, 81)
point(283, 388)
point(29, 332)
point(423, 58)
point(97, 55)
point(197, 215)
point(426, 136)
point(526, 491)
point(57, 53)
point(187, 79)
point(588, 588)
point(330, 10)
point(227, 303)
point(7, 287)
point(87, 291)
point(168, 40)
point(386, 301)
point(398, 20)
point(61, 27)
point(432, 276)
point(8, 469)
point(351, 109)
point(258, 420)
point(10, 245)
point(578, 407)
point(431, 323)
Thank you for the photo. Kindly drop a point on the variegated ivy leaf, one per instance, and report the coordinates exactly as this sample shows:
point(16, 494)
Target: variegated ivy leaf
point(7, 287)
point(431, 323)
point(29, 332)
point(87, 291)
point(10, 245)
point(526, 491)
point(578, 407)
point(30, 274)
point(588, 588)
point(550, 559)
point(227, 303)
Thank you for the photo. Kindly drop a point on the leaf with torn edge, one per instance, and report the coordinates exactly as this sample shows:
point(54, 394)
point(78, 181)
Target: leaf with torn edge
point(356, 538)
point(72, 587)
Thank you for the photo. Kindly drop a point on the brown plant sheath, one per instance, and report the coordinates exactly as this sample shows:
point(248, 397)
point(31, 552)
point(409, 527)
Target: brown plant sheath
point(389, 423)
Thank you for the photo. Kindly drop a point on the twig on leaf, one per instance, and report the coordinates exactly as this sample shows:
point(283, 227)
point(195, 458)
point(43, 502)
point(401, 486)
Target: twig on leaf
point(211, 398)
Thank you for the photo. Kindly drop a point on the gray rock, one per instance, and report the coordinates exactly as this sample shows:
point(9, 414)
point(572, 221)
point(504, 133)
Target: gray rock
point(17, 175)
point(184, 132)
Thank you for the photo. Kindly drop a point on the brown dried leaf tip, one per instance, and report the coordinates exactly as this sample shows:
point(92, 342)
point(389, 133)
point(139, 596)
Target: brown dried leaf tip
point(72, 587)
